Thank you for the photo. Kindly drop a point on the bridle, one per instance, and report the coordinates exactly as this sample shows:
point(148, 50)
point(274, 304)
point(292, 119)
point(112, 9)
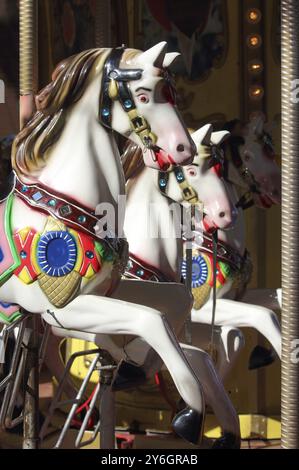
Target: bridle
point(115, 88)
point(246, 175)
point(189, 194)
point(244, 172)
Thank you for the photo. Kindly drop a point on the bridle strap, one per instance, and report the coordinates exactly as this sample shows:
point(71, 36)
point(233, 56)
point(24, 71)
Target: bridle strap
point(63, 208)
point(115, 87)
point(188, 192)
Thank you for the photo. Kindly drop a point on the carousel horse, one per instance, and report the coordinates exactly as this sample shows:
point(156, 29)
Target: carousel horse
point(148, 206)
point(149, 262)
point(249, 165)
point(66, 163)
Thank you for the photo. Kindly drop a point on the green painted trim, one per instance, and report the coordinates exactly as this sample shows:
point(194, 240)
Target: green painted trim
point(105, 254)
point(9, 320)
point(8, 231)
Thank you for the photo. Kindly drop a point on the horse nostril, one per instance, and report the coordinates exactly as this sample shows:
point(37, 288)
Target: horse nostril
point(180, 148)
point(222, 214)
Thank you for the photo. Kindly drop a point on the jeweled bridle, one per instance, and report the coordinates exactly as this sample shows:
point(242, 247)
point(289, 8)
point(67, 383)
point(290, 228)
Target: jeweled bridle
point(115, 88)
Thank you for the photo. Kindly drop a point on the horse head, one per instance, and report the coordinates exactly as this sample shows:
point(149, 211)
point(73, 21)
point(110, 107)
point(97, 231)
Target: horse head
point(144, 107)
point(253, 155)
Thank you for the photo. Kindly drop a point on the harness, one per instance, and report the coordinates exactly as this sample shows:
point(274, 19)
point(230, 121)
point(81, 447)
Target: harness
point(137, 269)
point(115, 88)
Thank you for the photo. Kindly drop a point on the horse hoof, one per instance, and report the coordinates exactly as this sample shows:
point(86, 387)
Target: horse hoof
point(188, 424)
point(227, 441)
point(128, 376)
point(261, 357)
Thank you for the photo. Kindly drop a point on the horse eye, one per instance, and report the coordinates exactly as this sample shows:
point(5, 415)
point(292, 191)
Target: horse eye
point(246, 157)
point(143, 98)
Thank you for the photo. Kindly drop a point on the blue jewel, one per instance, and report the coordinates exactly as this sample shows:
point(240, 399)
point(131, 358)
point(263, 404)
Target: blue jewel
point(23, 254)
point(82, 219)
point(24, 188)
point(52, 203)
point(37, 196)
point(105, 112)
point(162, 183)
point(140, 272)
point(180, 177)
point(128, 104)
point(89, 254)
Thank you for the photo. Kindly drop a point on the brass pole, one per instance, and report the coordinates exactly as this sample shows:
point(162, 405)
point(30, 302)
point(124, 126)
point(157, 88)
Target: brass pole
point(28, 88)
point(290, 224)
point(28, 59)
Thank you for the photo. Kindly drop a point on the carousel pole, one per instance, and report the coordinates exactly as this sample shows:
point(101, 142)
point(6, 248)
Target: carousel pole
point(28, 88)
point(290, 224)
point(107, 400)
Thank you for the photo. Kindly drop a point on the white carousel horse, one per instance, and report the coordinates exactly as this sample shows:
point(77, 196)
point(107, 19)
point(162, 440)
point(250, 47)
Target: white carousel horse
point(251, 167)
point(163, 255)
point(66, 163)
point(149, 207)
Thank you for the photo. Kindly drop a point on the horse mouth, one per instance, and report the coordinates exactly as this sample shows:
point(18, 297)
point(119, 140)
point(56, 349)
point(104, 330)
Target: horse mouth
point(208, 224)
point(162, 158)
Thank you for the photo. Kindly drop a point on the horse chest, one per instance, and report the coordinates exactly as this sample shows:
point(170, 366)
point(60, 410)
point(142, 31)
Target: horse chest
point(59, 259)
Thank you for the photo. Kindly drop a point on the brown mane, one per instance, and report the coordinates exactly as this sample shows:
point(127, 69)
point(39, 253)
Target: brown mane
point(132, 160)
point(29, 152)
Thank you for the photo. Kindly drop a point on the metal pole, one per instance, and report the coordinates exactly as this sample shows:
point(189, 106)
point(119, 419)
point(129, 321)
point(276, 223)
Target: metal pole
point(290, 224)
point(28, 59)
point(28, 88)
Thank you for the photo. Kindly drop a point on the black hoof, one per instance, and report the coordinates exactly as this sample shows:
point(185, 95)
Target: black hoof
point(128, 376)
point(261, 357)
point(227, 441)
point(188, 424)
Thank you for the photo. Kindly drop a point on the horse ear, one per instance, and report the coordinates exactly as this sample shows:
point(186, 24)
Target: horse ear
point(169, 58)
point(203, 135)
point(155, 55)
point(218, 138)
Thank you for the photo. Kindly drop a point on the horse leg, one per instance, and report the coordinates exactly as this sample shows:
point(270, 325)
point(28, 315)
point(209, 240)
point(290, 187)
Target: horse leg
point(215, 396)
point(269, 298)
point(102, 315)
point(228, 343)
point(241, 315)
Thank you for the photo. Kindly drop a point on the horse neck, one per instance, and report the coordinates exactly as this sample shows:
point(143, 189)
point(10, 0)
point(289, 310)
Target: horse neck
point(84, 163)
point(148, 215)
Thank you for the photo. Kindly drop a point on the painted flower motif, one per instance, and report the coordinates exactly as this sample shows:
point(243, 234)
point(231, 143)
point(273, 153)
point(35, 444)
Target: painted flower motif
point(68, 25)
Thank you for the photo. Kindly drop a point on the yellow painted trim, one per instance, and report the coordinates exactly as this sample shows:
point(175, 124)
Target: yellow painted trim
point(79, 250)
point(24, 276)
point(33, 254)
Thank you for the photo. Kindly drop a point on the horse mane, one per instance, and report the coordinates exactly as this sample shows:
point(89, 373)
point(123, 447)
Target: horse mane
point(132, 160)
point(69, 80)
